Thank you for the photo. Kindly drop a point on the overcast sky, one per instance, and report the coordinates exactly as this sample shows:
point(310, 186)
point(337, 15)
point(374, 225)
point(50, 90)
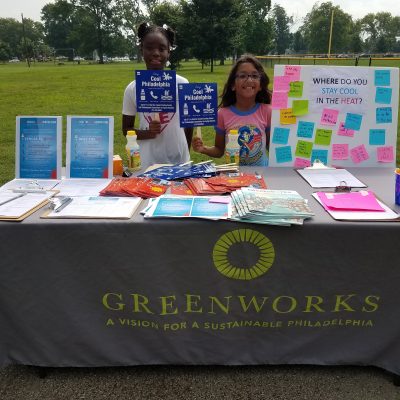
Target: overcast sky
point(296, 8)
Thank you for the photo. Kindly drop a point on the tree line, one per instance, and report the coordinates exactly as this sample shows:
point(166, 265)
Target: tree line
point(208, 30)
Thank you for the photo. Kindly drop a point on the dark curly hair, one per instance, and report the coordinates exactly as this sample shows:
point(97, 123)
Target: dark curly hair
point(228, 97)
point(145, 28)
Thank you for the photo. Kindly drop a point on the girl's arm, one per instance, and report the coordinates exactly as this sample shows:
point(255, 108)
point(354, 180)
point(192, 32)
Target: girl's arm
point(128, 123)
point(215, 151)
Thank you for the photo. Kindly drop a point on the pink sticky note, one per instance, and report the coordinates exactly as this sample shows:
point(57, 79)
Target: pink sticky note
point(385, 154)
point(359, 154)
point(281, 83)
point(345, 132)
point(220, 199)
point(279, 100)
point(301, 163)
point(293, 71)
point(340, 152)
point(329, 116)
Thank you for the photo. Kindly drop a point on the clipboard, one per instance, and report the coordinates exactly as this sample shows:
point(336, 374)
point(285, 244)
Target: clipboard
point(126, 210)
point(333, 176)
point(388, 215)
point(28, 212)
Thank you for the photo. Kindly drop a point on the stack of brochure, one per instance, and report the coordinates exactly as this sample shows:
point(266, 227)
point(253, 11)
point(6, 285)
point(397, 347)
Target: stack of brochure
point(220, 184)
point(225, 183)
point(171, 172)
point(142, 187)
point(273, 207)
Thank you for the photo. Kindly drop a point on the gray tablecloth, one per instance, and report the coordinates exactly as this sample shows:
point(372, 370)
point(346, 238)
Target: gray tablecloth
point(104, 293)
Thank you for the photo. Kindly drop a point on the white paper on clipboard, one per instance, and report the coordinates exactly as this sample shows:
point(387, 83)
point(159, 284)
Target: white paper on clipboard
point(330, 177)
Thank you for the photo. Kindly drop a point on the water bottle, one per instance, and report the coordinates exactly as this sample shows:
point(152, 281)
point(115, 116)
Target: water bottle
point(232, 148)
point(132, 151)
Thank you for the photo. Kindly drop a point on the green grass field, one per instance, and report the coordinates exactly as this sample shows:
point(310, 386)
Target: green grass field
point(85, 89)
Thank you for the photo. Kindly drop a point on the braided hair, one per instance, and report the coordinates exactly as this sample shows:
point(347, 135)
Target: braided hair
point(145, 28)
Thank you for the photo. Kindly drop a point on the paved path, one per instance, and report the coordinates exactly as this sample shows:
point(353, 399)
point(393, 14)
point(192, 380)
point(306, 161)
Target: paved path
point(217, 383)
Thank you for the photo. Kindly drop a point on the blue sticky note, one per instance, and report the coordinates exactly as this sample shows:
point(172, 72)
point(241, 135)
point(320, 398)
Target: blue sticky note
point(383, 95)
point(321, 155)
point(281, 135)
point(305, 129)
point(382, 77)
point(283, 154)
point(353, 121)
point(384, 115)
point(376, 136)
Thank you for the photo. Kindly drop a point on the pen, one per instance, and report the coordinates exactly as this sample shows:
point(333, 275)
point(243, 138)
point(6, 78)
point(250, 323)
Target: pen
point(63, 204)
point(29, 191)
point(13, 198)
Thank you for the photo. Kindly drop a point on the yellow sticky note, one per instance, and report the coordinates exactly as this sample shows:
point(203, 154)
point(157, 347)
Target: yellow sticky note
point(287, 117)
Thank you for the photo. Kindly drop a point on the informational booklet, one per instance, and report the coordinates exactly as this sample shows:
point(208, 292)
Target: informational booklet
point(273, 207)
point(254, 219)
point(97, 207)
point(330, 177)
point(188, 206)
point(38, 147)
point(89, 147)
point(279, 203)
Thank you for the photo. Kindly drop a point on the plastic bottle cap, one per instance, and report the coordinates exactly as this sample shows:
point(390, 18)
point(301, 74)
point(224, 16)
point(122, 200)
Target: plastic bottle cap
point(233, 132)
point(131, 133)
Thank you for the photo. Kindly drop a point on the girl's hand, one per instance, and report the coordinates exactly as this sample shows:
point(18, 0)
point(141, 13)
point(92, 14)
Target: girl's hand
point(154, 129)
point(197, 145)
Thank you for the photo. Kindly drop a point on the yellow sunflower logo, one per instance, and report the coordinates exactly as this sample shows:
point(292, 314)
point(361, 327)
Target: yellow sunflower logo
point(238, 238)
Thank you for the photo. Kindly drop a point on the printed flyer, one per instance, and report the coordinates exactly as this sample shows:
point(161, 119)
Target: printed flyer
point(38, 147)
point(342, 116)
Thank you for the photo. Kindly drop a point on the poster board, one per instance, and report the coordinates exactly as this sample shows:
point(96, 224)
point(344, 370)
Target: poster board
point(90, 141)
point(38, 147)
point(343, 116)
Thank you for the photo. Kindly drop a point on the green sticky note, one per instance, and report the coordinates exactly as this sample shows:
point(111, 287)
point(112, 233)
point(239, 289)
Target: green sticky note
point(304, 149)
point(296, 89)
point(323, 137)
point(300, 107)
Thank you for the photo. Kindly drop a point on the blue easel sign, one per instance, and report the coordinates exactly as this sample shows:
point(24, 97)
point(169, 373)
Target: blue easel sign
point(155, 91)
point(197, 104)
point(38, 147)
point(89, 146)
